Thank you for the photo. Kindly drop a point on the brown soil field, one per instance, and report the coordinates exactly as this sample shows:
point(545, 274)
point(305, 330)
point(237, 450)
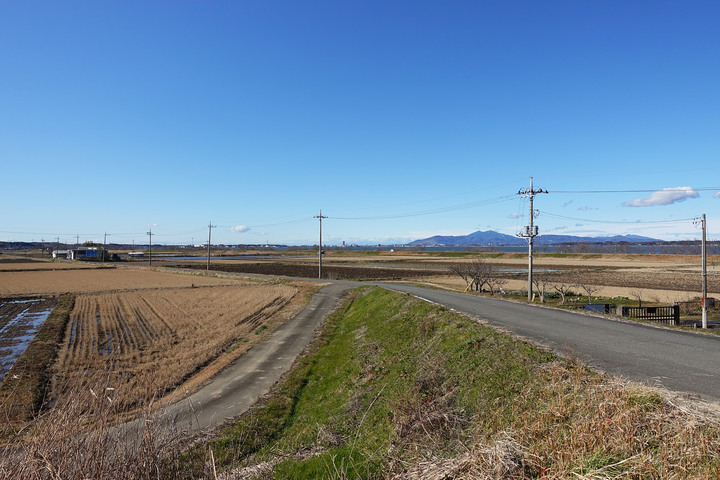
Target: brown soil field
point(148, 342)
point(663, 278)
point(18, 283)
point(311, 271)
point(15, 264)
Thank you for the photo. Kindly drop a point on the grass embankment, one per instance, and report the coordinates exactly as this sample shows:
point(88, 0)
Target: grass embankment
point(26, 385)
point(399, 388)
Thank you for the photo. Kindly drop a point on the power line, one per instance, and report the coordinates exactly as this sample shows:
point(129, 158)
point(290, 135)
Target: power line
point(450, 208)
point(617, 221)
point(700, 189)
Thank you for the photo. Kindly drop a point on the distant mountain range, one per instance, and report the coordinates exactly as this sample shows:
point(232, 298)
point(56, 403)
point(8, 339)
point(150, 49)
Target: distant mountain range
point(491, 238)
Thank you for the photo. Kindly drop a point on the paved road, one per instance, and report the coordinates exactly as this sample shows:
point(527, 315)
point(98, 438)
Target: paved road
point(677, 360)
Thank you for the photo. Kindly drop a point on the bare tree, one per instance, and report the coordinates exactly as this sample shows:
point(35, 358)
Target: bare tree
point(540, 285)
point(495, 282)
point(589, 289)
point(562, 289)
point(637, 294)
point(463, 271)
point(481, 274)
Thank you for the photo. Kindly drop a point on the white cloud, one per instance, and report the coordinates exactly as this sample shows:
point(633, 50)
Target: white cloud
point(240, 228)
point(585, 209)
point(666, 196)
point(515, 215)
point(717, 194)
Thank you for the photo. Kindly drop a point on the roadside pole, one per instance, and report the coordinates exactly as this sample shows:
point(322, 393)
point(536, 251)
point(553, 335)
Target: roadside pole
point(150, 249)
point(210, 227)
point(530, 232)
point(320, 250)
point(704, 272)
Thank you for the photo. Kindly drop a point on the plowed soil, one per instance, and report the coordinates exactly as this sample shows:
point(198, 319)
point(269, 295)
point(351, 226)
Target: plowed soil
point(96, 280)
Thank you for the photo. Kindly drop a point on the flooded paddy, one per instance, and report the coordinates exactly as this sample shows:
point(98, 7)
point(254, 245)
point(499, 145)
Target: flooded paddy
point(19, 320)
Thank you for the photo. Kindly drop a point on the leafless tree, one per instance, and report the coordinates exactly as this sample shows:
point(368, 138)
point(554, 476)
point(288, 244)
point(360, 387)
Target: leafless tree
point(462, 270)
point(562, 289)
point(541, 285)
point(637, 294)
point(589, 289)
point(481, 274)
point(495, 282)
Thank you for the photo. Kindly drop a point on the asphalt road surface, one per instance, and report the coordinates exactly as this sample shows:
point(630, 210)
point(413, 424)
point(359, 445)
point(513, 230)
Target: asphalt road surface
point(677, 360)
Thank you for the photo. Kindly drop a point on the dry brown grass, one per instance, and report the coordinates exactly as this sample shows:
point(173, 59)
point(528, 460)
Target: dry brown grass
point(68, 442)
point(589, 426)
point(155, 339)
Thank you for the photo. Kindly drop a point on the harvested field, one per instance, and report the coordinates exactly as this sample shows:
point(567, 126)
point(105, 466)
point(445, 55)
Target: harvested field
point(97, 280)
point(338, 272)
point(35, 266)
point(676, 275)
point(150, 341)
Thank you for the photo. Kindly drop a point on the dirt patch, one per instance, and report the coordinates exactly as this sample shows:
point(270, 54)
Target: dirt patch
point(97, 280)
point(338, 272)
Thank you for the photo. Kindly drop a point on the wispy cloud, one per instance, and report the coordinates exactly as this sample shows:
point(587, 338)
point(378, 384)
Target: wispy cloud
point(717, 194)
point(567, 203)
point(515, 215)
point(585, 209)
point(666, 196)
point(240, 228)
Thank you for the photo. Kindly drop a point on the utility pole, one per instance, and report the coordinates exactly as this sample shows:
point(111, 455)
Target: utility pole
point(150, 250)
point(105, 243)
point(704, 272)
point(210, 227)
point(530, 231)
point(320, 250)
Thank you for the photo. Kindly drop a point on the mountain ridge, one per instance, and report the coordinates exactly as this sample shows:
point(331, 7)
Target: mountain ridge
point(493, 238)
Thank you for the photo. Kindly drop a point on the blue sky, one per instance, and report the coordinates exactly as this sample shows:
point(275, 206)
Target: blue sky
point(399, 119)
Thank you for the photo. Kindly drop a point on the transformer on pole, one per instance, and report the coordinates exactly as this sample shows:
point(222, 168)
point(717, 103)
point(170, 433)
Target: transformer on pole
point(530, 232)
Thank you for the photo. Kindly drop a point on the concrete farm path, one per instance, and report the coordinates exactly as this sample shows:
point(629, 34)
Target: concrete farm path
point(677, 360)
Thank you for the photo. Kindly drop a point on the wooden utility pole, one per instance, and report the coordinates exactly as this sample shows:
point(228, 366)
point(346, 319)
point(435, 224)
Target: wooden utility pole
point(530, 232)
point(105, 243)
point(320, 250)
point(150, 249)
point(704, 272)
point(210, 227)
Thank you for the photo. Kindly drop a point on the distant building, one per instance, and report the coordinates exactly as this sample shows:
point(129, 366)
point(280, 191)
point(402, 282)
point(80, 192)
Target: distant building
point(85, 253)
point(136, 254)
point(60, 254)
